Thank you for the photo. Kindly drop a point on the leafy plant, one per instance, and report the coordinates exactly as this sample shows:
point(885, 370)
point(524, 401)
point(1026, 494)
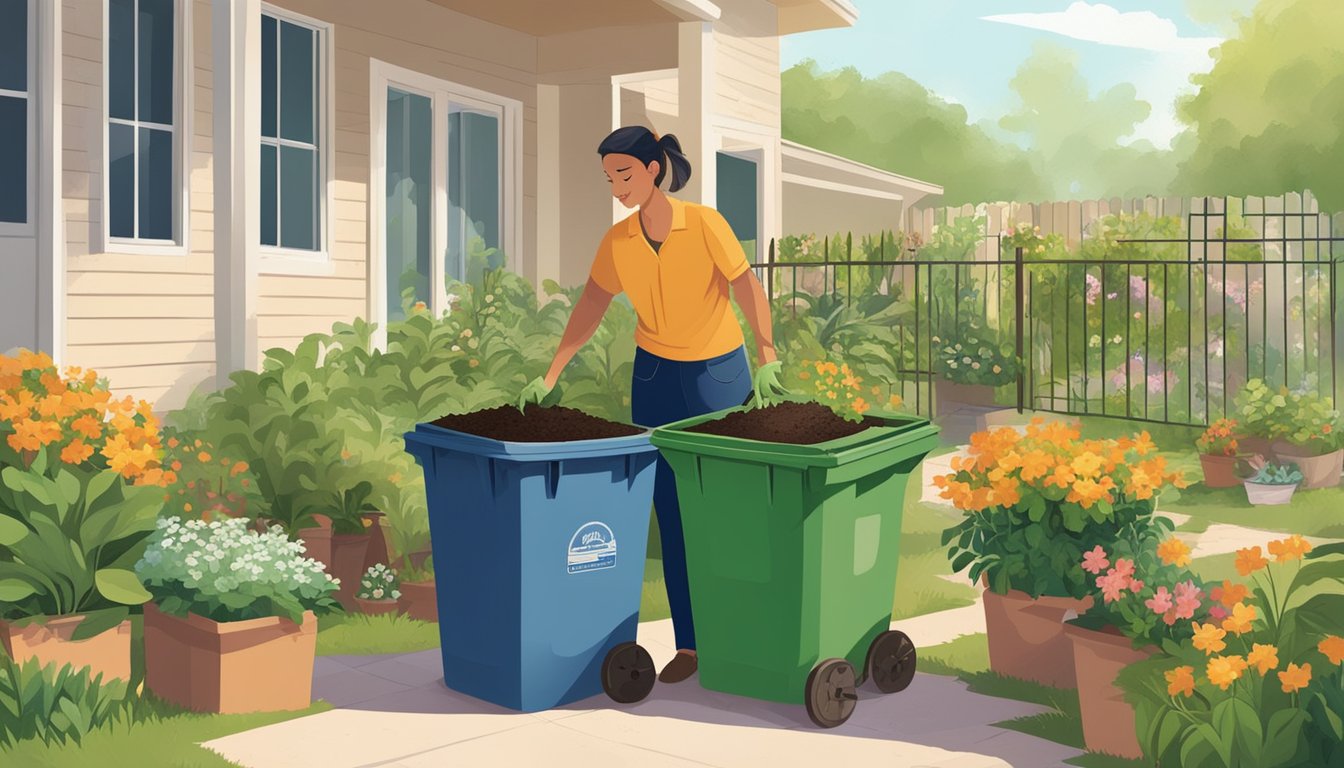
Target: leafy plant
point(1301, 418)
point(207, 484)
point(225, 572)
point(54, 705)
point(1220, 439)
point(379, 583)
point(1251, 688)
point(978, 360)
point(837, 387)
point(411, 573)
point(1150, 596)
point(1268, 473)
point(1035, 503)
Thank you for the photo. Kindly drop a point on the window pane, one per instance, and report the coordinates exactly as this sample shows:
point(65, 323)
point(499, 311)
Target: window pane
point(156, 61)
point(268, 195)
point(13, 160)
point(156, 184)
point(410, 202)
point(121, 180)
point(736, 186)
point(268, 76)
point(14, 45)
point(121, 59)
point(473, 195)
point(296, 83)
point(298, 198)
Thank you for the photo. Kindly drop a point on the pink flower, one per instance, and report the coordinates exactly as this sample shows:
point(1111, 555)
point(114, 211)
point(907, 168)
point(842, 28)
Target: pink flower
point(1095, 561)
point(1170, 617)
point(1160, 602)
point(1217, 613)
point(1135, 586)
point(1112, 585)
point(1188, 589)
point(1124, 568)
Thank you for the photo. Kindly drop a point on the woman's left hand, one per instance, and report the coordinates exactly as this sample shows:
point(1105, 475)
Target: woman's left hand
point(768, 389)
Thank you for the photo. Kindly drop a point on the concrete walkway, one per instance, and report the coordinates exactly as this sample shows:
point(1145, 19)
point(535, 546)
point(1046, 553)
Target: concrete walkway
point(394, 712)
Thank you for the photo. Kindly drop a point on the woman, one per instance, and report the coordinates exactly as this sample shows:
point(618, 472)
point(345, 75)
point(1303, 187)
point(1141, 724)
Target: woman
point(676, 262)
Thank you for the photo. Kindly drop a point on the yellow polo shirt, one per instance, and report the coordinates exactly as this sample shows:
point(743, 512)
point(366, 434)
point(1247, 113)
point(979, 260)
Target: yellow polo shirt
point(681, 292)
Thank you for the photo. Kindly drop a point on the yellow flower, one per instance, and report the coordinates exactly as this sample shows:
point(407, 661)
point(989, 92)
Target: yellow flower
point(894, 401)
point(1250, 560)
point(830, 394)
point(1333, 648)
point(1086, 464)
point(1224, 670)
point(1264, 657)
point(1291, 548)
point(473, 362)
point(1239, 622)
point(345, 454)
point(1181, 680)
point(1209, 638)
point(76, 452)
point(1173, 551)
point(1295, 678)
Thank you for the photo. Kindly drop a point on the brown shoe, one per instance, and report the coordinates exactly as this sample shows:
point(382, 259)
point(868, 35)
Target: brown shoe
point(682, 666)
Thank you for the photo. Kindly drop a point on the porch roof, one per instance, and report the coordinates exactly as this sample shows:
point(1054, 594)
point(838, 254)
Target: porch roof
point(807, 166)
point(547, 17)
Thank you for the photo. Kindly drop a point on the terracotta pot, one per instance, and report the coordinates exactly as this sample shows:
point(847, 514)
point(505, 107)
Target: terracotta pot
point(1108, 720)
point(1256, 446)
point(1220, 471)
point(376, 607)
point(257, 665)
point(1318, 470)
point(348, 551)
point(1265, 495)
point(1026, 636)
point(107, 653)
point(317, 540)
point(419, 600)
point(952, 397)
point(377, 553)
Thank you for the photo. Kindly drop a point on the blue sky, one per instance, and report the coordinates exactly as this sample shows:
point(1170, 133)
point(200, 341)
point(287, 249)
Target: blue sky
point(950, 47)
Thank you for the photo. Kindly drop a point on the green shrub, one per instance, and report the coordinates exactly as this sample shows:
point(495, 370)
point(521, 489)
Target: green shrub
point(54, 705)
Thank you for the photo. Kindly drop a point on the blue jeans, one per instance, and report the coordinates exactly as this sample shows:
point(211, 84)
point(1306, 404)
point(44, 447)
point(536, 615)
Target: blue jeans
point(664, 391)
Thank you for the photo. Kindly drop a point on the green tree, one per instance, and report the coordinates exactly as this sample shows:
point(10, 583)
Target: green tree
point(1269, 116)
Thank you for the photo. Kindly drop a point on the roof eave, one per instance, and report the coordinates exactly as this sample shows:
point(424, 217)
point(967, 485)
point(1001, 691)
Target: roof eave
point(810, 15)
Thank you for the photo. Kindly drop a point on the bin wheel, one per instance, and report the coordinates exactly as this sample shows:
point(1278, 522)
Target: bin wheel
point(628, 674)
point(891, 661)
point(831, 695)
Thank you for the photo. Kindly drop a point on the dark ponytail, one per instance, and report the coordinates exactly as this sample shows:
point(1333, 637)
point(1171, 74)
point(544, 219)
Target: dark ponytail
point(646, 147)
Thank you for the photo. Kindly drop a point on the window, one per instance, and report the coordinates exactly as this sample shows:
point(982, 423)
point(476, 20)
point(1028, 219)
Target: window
point(16, 113)
point(410, 199)
point(291, 161)
point(143, 126)
point(737, 198)
point(474, 173)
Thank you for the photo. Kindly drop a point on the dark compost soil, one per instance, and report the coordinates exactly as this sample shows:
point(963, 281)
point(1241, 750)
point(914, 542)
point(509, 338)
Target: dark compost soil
point(536, 425)
point(795, 423)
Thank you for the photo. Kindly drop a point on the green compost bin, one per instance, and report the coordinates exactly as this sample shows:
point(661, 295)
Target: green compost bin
point(791, 552)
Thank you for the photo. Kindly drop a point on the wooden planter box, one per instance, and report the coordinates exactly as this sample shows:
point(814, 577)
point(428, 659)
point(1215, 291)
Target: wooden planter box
point(108, 653)
point(257, 665)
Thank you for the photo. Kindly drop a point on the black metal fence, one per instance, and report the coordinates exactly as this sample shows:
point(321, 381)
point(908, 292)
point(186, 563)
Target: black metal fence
point(1159, 329)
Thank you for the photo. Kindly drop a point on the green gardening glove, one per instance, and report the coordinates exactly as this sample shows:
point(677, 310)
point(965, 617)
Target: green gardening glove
point(768, 389)
point(534, 393)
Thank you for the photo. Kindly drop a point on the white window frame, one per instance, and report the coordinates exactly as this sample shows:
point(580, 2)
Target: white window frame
point(274, 259)
point(443, 95)
point(180, 129)
point(28, 227)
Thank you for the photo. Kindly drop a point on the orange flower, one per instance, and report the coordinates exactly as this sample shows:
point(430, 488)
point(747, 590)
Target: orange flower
point(76, 452)
point(177, 465)
point(1209, 638)
point(1291, 548)
point(203, 456)
point(1295, 678)
point(1224, 670)
point(1232, 593)
point(1263, 657)
point(1239, 622)
point(1250, 560)
point(1333, 648)
point(1181, 680)
point(88, 426)
point(238, 469)
point(1173, 551)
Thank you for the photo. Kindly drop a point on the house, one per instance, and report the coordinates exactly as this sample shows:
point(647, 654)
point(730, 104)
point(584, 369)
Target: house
point(186, 183)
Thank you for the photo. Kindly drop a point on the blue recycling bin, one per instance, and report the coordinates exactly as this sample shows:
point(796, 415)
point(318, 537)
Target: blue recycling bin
point(539, 564)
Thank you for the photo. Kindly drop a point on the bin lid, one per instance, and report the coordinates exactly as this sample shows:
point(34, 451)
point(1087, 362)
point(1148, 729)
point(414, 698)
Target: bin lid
point(433, 436)
point(900, 430)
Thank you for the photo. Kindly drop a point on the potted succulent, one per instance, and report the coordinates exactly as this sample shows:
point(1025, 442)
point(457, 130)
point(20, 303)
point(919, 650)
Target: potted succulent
point(969, 369)
point(1272, 484)
point(379, 590)
point(1034, 503)
point(233, 625)
point(1218, 454)
point(1140, 602)
point(80, 488)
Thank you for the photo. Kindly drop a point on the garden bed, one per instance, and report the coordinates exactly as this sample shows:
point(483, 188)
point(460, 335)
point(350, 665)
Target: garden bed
point(535, 425)
point(793, 423)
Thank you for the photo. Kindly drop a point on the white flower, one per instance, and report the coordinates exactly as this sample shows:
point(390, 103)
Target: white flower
point(975, 366)
point(966, 359)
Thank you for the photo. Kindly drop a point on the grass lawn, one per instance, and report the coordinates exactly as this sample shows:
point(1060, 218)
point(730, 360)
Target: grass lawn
point(166, 738)
point(1311, 513)
point(357, 634)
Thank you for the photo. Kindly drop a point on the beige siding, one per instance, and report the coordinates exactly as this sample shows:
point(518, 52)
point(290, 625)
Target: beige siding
point(652, 103)
point(145, 321)
point(746, 63)
point(418, 36)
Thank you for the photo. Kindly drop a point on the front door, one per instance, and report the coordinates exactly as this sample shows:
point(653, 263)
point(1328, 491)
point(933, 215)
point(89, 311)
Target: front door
point(18, 166)
point(439, 181)
point(738, 196)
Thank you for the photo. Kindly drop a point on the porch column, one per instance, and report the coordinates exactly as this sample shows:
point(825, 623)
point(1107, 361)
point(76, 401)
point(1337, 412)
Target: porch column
point(236, 35)
point(695, 105)
point(549, 188)
point(50, 203)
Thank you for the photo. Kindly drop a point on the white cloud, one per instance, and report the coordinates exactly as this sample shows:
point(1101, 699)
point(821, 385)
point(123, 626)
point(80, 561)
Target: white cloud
point(1103, 24)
